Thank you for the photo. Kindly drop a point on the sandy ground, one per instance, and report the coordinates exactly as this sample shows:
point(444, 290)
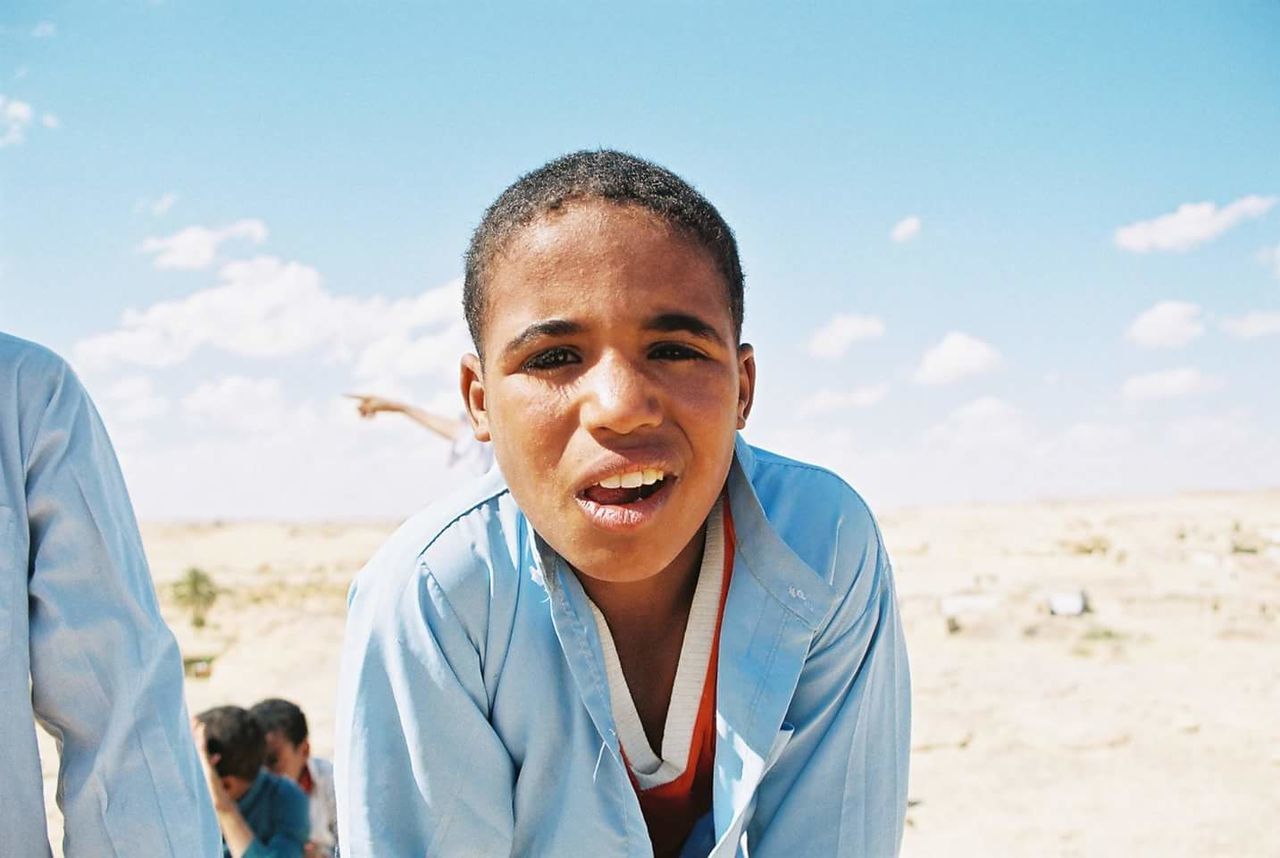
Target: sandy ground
point(1148, 726)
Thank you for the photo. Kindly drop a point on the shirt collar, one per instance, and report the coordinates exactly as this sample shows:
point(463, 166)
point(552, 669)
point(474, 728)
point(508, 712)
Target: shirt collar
point(789, 580)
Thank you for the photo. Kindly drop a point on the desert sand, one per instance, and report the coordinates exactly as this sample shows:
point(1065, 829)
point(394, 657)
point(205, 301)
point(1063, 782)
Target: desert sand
point(1148, 725)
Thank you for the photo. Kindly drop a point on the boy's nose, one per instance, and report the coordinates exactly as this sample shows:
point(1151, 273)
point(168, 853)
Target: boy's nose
point(619, 398)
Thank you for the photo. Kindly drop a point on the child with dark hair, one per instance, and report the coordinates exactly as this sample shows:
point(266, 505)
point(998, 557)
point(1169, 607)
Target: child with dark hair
point(289, 755)
point(261, 814)
point(639, 636)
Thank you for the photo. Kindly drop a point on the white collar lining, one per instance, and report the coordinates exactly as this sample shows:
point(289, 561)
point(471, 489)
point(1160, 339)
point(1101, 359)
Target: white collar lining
point(649, 769)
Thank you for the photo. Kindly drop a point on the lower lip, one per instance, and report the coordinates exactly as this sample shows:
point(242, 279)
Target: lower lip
point(625, 518)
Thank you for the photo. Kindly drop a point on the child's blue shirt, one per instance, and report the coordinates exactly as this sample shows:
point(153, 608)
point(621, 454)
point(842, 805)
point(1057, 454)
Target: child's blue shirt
point(278, 813)
point(474, 715)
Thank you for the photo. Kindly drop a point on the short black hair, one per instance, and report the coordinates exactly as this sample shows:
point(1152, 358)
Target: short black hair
point(602, 174)
point(237, 738)
point(281, 716)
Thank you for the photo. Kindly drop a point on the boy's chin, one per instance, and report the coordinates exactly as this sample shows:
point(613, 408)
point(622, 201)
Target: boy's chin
point(617, 565)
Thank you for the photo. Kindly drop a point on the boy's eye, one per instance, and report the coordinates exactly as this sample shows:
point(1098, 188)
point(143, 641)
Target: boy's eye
point(674, 351)
point(551, 359)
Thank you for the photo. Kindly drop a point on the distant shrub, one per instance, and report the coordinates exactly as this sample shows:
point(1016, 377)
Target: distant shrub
point(1246, 543)
point(197, 593)
point(1095, 544)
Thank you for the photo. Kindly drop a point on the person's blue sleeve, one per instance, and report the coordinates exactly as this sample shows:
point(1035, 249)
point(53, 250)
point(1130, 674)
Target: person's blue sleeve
point(106, 675)
point(419, 769)
point(839, 786)
point(292, 816)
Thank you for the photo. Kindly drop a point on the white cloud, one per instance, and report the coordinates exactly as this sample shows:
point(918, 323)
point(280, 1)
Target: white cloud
point(15, 118)
point(1191, 225)
point(50, 121)
point(21, 72)
point(1169, 384)
point(229, 461)
point(262, 308)
point(984, 423)
point(1090, 437)
point(1212, 432)
point(1270, 257)
point(958, 355)
point(833, 339)
point(905, 229)
point(161, 205)
point(246, 441)
point(238, 403)
point(1168, 324)
point(158, 206)
point(44, 30)
point(1251, 325)
point(827, 401)
point(195, 247)
point(133, 399)
point(267, 308)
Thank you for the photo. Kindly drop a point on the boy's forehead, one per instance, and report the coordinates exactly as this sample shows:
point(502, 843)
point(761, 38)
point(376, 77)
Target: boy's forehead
point(598, 253)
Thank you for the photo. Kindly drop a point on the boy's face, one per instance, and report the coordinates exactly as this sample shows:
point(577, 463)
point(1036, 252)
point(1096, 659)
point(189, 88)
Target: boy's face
point(610, 355)
point(285, 758)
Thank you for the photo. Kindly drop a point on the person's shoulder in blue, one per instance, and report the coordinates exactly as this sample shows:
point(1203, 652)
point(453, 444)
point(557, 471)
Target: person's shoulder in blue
point(262, 815)
point(84, 651)
point(639, 636)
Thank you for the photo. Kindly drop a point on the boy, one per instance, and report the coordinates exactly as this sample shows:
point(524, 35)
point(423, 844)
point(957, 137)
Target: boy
point(639, 636)
point(261, 814)
point(83, 648)
point(289, 755)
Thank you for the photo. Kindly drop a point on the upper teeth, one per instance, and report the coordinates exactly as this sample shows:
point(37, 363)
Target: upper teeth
point(632, 480)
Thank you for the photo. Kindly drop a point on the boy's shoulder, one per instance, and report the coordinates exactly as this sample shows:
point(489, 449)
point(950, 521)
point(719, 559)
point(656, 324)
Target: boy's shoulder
point(283, 792)
point(15, 351)
point(819, 516)
point(449, 539)
point(789, 488)
point(31, 370)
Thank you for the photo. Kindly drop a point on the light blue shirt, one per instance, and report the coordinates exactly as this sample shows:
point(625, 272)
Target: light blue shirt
point(83, 649)
point(473, 708)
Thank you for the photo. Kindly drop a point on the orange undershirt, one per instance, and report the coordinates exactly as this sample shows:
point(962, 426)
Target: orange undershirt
point(671, 809)
point(305, 781)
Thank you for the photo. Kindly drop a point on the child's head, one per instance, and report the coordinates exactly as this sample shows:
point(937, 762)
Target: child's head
point(234, 738)
point(605, 296)
point(605, 176)
point(285, 727)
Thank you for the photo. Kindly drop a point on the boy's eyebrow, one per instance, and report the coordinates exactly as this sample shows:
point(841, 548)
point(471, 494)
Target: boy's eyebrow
point(545, 328)
point(675, 322)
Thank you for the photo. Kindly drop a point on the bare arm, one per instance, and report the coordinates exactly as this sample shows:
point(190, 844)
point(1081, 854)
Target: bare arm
point(235, 830)
point(445, 427)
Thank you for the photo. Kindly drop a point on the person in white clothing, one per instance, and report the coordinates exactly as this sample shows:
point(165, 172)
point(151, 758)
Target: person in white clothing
point(464, 450)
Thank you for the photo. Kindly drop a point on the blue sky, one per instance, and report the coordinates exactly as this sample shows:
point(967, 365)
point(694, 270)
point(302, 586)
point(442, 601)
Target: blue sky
point(1083, 296)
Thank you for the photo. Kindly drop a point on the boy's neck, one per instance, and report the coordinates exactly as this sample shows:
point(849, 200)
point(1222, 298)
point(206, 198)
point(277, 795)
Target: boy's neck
point(658, 606)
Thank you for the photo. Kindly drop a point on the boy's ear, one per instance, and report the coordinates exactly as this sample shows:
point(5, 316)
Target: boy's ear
point(746, 382)
point(472, 381)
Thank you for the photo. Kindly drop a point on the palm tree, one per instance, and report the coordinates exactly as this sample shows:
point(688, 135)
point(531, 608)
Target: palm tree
point(196, 591)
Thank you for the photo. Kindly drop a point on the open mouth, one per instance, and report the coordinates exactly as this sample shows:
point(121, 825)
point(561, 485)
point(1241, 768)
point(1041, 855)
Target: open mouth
point(628, 488)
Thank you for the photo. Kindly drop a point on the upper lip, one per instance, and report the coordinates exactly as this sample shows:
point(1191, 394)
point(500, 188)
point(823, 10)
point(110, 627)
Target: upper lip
point(625, 465)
